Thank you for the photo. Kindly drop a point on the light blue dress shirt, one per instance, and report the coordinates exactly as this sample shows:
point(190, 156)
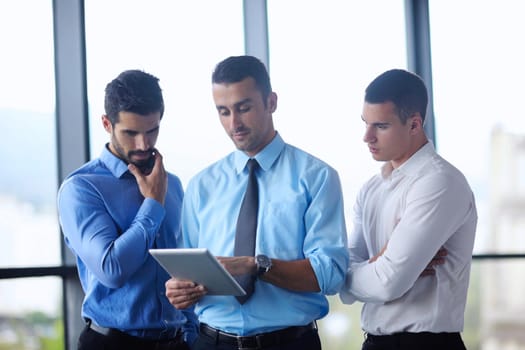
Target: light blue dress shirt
point(301, 215)
point(109, 226)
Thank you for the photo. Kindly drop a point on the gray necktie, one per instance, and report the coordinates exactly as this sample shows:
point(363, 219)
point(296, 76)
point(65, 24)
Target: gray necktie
point(247, 229)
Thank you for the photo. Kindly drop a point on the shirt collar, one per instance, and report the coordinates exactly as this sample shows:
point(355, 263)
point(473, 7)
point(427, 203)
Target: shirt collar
point(413, 164)
point(113, 163)
point(266, 157)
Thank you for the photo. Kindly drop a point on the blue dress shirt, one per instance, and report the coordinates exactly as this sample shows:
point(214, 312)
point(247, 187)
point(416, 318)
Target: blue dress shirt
point(109, 226)
point(301, 215)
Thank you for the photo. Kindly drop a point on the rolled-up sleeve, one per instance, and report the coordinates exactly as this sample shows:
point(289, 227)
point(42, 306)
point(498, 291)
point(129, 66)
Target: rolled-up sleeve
point(325, 243)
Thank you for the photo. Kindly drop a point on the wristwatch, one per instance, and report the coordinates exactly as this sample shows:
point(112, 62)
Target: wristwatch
point(264, 264)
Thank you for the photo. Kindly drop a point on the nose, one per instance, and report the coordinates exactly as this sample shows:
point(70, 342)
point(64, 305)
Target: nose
point(369, 136)
point(142, 142)
point(235, 120)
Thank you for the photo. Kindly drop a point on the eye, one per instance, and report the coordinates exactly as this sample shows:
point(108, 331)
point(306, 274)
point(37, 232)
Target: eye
point(130, 133)
point(382, 126)
point(244, 109)
point(153, 131)
point(223, 112)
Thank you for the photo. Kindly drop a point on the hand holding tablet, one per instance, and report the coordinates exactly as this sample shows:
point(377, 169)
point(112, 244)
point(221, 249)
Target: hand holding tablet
point(200, 266)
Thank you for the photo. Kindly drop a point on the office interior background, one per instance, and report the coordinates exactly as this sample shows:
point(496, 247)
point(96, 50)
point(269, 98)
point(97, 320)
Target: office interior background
point(58, 55)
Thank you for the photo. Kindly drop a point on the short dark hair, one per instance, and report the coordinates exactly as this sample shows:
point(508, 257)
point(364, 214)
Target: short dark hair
point(405, 89)
point(133, 91)
point(237, 68)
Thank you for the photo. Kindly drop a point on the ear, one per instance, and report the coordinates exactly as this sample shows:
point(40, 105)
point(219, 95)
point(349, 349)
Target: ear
point(272, 102)
point(416, 123)
point(106, 123)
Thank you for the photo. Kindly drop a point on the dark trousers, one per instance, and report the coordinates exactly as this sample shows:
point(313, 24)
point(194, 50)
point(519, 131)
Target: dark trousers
point(414, 341)
point(92, 340)
point(309, 340)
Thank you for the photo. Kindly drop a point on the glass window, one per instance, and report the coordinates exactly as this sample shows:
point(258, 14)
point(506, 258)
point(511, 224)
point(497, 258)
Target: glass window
point(28, 180)
point(478, 73)
point(29, 308)
point(320, 66)
point(180, 43)
point(30, 314)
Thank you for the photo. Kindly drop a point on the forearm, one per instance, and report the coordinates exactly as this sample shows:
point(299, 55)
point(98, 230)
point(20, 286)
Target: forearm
point(297, 275)
point(112, 255)
point(365, 285)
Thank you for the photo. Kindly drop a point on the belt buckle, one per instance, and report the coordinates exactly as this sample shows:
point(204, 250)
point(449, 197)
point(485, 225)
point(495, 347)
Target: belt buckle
point(242, 343)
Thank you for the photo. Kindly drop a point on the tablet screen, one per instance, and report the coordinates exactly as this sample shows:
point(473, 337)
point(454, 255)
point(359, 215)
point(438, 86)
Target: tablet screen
point(200, 266)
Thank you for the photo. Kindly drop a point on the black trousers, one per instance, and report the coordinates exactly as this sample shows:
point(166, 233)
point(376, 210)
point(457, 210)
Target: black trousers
point(414, 341)
point(307, 341)
point(92, 340)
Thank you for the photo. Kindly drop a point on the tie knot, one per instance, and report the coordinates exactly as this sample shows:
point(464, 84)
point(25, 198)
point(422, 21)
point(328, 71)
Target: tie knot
point(252, 165)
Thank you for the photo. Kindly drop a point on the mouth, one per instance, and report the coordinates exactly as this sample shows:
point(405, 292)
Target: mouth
point(141, 155)
point(373, 150)
point(240, 134)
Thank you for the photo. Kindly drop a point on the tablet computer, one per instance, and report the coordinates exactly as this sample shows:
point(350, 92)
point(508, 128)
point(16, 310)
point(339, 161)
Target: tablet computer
point(200, 266)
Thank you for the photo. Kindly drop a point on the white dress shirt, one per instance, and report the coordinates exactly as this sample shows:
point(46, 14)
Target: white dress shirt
point(423, 205)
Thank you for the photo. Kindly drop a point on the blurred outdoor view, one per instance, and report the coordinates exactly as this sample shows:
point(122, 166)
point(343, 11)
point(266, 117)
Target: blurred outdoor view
point(322, 56)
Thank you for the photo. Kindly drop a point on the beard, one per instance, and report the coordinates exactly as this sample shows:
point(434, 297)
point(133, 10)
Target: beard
point(144, 164)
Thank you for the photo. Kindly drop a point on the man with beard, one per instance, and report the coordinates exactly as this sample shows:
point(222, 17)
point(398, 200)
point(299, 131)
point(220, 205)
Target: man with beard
point(112, 210)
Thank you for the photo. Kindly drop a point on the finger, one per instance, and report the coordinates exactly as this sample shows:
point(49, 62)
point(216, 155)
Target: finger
point(155, 151)
point(158, 166)
point(180, 298)
point(134, 170)
point(439, 261)
point(137, 173)
point(176, 283)
point(428, 272)
point(186, 301)
point(442, 252)
point(436, 262)
point(181, 305)
point(158, 158)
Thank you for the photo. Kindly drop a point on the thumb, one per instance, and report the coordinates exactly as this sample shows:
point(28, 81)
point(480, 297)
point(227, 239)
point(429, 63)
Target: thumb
point(134, 170)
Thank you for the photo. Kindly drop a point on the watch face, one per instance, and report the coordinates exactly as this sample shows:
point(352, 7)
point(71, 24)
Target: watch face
point(263, 261)
point(263, 264)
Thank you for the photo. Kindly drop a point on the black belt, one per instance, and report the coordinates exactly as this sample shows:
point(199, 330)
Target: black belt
point(108, 332)
point(115, 333)
point(257, 341)
point(449, 340)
